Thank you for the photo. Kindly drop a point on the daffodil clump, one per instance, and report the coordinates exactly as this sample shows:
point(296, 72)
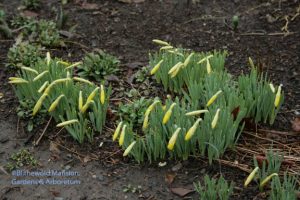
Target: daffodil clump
point(75, 103)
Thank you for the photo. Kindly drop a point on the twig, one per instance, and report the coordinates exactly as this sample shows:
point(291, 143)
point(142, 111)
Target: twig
point(44, 131)
point(279, 132)
point(242, 167)
point(268, 34)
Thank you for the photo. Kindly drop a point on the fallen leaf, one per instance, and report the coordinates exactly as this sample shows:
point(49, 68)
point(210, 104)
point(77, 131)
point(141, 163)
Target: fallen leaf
point(177, 167)
point(182, 192)
point(87, 159)
point(296, 124)
point(90, 6)
point(169, 178)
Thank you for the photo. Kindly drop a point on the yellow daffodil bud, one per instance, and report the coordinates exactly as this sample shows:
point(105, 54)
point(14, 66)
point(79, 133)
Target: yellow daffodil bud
point(38, 104)
point(266, 180)
point(192, 130)
point(30, 70)
point(160, 42)
point(196, 112)
point(174, 70)
point(82, 80)
point(93, 94)
point(73, 65)
point(61, 80)
point(48, 58)
point(63, 63)
point(205, 58)
point(215, 120)
point(18, 81)
point(40, 75)
point(278, 96)
point(102, 95)
point(55, 103)
point(151, 107)
point(13, 78)
point(146, 122)
point(156, 67)
point(188, 59)
point(208, 67)
point(173, 139)
point(213, 98)
point(168, 114)
point(272, 87)
point(122, 136)
point(163, 107)
point(251, 176)
point(176, 53)
point(251, 62)
point(166, 48)
point(66, 123)
point(43, 87)
point(117, 131)
point(80, 101)
point(86, 106)
point(129, 148)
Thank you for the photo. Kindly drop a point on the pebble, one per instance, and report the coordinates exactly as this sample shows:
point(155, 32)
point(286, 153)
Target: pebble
point(58, 198)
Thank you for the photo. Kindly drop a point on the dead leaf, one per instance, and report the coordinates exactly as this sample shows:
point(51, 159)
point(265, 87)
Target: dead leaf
point(296, 124)
point(54, 148)
point(28, 13)
point(169, 178)
point(131, 1)
point(87, 159)
point(182, 192)
point(177, 167)
point(90, 6)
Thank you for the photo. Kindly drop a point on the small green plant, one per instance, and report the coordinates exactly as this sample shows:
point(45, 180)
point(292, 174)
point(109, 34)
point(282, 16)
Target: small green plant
point(98, 65)
point(21, 159)
point(31, 4)
point(133, 112)
point(23, 54)
point(132, 189)
point(217, 189)
point(4, 28)
point(285, 190)
point(235, 22)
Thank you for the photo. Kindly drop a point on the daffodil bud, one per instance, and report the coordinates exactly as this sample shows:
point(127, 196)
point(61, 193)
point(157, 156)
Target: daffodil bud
point(48, 58)
point(215, 120)
point(82, 80)
point(43, 87)
point(30, 70)
point(168, 113)
point(102, 95)
point(166, 48)
point(73, 65)
point(208, 67)
point(66, 123)
point(63, 63)
point(173, 139)
point(192, 130)
point(55, 103)
point(86, 106)
point(174, 70)
point(278, 96)
point(38, 104)
point(196, 112)
point(188, 59)
point(156, 67)
point(251, 63)
point(122, 136)
point(205, 58)
point(251, 177)
point(146, 122)
point(93, 94)
point(151, 107)
point(160, 42)
point(266, 180)
point(40, 75)
point(18, 81)
point(117, 131)
point(80, 101)
point(272, 87)
point(129, 148)
point(213, 98)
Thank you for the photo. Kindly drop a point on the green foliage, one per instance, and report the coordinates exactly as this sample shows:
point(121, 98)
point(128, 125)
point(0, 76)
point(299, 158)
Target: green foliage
point(235, 22)
point(23, 54)
point(21, 159)
point(214, 189)
point(98, 65)
point(133, 112)
point(47, 80)
point(285, 190)
point(4, 26)
point(31, 4)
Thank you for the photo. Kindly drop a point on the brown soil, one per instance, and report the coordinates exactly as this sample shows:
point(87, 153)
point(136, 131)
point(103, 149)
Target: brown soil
point(126, 30)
